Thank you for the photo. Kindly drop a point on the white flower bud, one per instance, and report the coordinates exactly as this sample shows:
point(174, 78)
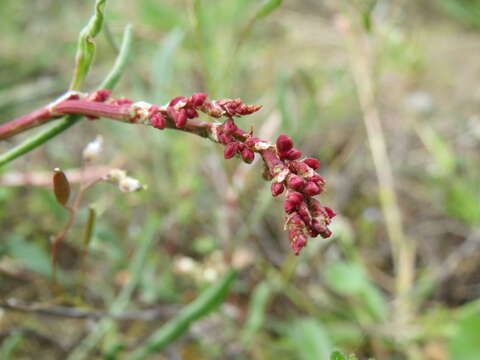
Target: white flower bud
point(93, 148)
point(129, 184)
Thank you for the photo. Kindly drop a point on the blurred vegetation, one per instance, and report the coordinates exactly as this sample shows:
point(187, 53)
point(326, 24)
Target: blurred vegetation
point(161, 249)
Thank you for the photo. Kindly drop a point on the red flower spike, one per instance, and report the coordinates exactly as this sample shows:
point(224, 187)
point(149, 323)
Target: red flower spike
point(277, 188)
point(247, 155)
point(313, 163)
point(311, 189)
point(293, 154)
point(284, 143)
point(295, 182)
point(230, 150)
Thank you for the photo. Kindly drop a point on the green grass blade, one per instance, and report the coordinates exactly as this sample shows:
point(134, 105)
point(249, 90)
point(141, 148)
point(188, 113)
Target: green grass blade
point(268, 7)
point(200, 307)
point(121, 61)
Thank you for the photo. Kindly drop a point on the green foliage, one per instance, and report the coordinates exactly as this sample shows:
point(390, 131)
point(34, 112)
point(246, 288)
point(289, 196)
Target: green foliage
point(336, 355)
point(340, 293)
point(309, 339)
point(204, 304)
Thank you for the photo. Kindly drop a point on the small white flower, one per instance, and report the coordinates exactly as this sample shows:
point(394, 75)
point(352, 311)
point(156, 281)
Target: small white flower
point(115, 175)
point(93, 148)
point(129, 184)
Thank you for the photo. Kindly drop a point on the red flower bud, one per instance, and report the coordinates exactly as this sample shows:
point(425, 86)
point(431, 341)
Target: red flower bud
point(299, 167)
point(303, 213)
point(318, 226)
point(198, 99)
point(293, 154)
point(311, 189)
point(295, 182)
point(224, 138)
point(158, 121)
point(230, 150)
point(331, 214)
point(326, 233)
point(313, 163)
point(298, 242)
point(295, 198)
point(176, 100)
point(251, 141)
point(316, 209)
point(316, 179)
point(247, 155)
point(276, 188)
point(289, 206)
point(284, 143)
point(181, 119)
point(229, 126)
point(100, 95)
point(191, 113)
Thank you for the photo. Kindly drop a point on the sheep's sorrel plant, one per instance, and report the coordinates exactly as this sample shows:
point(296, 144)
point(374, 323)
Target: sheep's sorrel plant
point(284, 166)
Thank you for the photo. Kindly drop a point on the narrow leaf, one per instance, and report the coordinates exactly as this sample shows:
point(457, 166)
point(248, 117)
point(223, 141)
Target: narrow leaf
point(61, 186)
point(268, 7)
point(89, 228)
point(86, 45)
point(200, 307)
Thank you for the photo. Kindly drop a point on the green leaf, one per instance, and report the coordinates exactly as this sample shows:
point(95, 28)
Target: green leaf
point(205, 303)
point(256, 310)
point(9, 344)
point(161, 15)
point(87, 236)
point(345, 278)
point(349, 279)
point(337, 355)
point(464, 343)
point(86, 45)
point(121, 62)
point(268, 7)
point(29, 255)
point(162, 64)
point(310, 340)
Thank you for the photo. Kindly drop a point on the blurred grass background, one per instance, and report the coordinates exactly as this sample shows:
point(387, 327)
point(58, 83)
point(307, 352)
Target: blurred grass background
point(309, 63)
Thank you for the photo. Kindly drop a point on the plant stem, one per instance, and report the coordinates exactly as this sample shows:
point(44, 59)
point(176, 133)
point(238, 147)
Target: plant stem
point(63, 124)
point(403, 249)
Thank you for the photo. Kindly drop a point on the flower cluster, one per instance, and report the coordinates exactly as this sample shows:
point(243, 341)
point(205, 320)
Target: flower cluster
point(305, 216)
point(284, 165)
